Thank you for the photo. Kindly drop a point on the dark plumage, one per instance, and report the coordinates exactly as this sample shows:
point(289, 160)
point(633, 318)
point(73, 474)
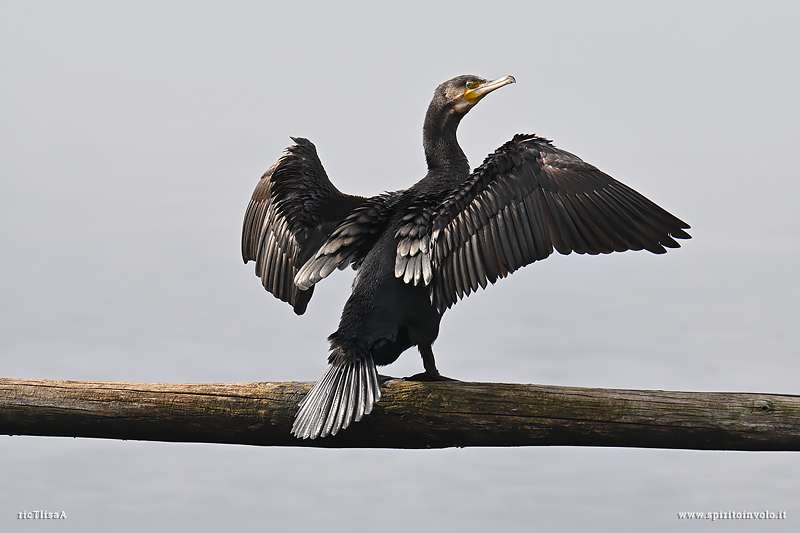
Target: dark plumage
point(418, 251)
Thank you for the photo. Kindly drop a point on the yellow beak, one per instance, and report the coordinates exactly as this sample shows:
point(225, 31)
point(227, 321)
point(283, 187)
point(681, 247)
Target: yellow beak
point(473, 96)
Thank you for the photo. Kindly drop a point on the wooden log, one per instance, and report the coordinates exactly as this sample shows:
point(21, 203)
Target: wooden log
point(409, 415)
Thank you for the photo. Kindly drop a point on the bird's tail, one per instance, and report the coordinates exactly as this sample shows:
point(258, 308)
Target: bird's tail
point(345, 393)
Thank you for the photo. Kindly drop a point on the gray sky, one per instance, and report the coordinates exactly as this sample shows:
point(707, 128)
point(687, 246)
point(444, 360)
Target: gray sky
point(133, 134)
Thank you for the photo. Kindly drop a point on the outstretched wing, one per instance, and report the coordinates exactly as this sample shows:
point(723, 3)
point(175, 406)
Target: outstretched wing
point(293, 210)
point(526, 199)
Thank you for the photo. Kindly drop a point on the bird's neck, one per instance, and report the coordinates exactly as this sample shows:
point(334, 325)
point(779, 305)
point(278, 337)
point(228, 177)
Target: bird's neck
point(442, 152)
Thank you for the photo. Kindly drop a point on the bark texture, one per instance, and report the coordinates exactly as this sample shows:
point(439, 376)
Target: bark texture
point(409, 415)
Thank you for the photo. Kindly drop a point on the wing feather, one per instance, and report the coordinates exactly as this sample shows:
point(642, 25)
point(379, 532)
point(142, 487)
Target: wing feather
point(350, 241)
point(292, 211)
point(526, 199)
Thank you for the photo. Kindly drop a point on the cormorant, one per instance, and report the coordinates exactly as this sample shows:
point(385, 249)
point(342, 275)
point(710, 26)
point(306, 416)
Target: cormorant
point(418, 251)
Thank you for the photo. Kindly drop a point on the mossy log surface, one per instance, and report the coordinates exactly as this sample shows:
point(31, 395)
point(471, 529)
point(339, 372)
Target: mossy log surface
point(409, 415)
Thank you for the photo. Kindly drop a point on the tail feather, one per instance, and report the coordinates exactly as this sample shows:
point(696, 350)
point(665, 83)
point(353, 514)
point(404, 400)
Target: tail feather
point(343, 395)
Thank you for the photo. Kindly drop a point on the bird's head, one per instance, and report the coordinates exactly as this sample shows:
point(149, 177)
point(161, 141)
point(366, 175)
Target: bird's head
point(463, 92)
point(451, 101)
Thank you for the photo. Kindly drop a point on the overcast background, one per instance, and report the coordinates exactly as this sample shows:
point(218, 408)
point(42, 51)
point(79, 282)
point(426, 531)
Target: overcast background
point(133, 134)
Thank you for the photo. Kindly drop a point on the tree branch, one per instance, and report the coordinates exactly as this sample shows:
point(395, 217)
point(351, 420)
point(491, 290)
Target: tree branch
point(409, 415)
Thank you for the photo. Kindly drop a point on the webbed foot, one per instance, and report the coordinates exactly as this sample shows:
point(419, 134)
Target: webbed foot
point(382, 380)
point(429, 377)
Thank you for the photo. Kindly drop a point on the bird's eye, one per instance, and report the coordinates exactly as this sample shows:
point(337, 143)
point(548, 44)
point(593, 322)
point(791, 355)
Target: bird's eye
point(471, 85)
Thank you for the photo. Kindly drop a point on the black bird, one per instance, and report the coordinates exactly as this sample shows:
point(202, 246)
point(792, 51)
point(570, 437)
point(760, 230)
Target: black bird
point(419, 250)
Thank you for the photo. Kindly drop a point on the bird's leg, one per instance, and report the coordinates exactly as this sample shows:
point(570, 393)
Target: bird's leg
point(431, 373)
